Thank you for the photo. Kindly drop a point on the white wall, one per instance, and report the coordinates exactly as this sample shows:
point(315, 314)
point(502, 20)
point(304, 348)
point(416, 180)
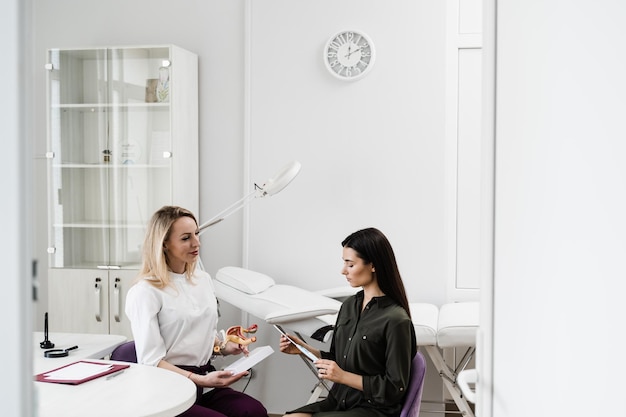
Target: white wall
point(560, 209)
point(372, 151)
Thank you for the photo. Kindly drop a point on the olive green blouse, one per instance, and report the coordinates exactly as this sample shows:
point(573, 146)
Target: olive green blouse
point(377, 343)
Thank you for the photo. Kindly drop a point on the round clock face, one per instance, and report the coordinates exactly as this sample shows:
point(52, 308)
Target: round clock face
point(349, 55)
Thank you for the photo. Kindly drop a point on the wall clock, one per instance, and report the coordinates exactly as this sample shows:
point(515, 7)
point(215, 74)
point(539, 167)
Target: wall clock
point(349, 55)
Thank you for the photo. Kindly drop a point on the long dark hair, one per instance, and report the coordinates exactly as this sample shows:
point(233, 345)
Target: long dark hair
point(372, 246)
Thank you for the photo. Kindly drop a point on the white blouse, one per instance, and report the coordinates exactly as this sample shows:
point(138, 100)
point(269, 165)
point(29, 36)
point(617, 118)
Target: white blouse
point(177, 323)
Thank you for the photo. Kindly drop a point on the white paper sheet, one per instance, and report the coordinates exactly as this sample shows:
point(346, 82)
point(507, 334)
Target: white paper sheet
point(247, 362)
point(78, 371)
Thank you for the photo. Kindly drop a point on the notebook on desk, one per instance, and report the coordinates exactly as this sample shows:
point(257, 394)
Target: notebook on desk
point(78, 372)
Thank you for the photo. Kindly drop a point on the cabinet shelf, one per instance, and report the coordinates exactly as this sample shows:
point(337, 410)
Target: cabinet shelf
point(99, 225)
point(106, 106)
point(90, 266)
point(106, 165)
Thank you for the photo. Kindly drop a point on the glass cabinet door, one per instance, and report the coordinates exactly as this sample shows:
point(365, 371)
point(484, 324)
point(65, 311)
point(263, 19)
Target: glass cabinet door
point(78, 124)
point(109, 152)
point(140, 138)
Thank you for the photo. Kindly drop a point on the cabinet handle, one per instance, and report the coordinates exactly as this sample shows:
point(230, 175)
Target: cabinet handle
point(98, 286)
point(116, 300)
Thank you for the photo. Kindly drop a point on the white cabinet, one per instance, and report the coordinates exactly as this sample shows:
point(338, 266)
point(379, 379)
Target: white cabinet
point(122, 142)
point(89, 300)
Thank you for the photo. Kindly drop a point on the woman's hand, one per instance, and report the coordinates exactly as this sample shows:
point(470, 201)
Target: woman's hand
point(232, 348)
point(213, 379)
point(287, 347)
point(217, 379)
point(327, 369)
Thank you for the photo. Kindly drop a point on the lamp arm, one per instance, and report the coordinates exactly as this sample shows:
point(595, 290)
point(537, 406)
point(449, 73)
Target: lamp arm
point(269, 187)
point(227, 211)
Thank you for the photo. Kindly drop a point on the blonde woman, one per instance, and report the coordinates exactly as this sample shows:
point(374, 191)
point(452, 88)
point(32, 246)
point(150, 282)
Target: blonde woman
point(173, 313)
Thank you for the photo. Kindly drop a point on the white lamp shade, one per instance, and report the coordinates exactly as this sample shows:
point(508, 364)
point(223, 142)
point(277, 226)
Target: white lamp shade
point(281, 179)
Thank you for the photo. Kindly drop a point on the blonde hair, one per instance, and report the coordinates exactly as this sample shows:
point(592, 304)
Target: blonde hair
point(155, 268)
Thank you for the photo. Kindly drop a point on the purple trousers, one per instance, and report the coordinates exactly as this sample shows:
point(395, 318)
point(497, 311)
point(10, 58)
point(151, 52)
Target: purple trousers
point(226, 402)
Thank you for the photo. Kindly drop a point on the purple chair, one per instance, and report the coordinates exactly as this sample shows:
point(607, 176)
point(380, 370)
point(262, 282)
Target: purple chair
point(411, 407)
point(125, 352)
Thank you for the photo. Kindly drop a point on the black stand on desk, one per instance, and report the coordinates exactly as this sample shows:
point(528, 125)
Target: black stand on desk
point(46, 344)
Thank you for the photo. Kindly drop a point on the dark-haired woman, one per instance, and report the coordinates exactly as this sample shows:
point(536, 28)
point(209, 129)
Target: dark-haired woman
point(373, 343)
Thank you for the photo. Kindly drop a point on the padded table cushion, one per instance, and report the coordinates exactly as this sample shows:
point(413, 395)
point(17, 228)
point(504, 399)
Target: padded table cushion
point(454, 324)
point(245, 280)
point(304, 311)
point(458, 324)
point(425, 317)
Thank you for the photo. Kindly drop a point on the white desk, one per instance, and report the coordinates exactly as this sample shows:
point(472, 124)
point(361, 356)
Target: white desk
point(138, 391)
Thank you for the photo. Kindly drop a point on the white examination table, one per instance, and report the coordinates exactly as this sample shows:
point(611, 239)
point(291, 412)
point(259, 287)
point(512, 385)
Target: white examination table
point(305, 312)
point(313, 314)
point(452, 325)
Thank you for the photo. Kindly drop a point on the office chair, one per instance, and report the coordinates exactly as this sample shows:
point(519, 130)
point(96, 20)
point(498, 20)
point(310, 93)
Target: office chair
point(125, 352)
point(411, 407)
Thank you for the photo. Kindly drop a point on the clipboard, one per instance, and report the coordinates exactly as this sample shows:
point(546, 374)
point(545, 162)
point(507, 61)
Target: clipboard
point(82, 370)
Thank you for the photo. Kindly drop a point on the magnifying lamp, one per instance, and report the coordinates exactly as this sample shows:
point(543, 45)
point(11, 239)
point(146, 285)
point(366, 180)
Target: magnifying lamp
point(268, 188)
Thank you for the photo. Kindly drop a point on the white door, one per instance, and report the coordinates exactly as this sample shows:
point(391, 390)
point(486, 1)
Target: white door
point(560, 204)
